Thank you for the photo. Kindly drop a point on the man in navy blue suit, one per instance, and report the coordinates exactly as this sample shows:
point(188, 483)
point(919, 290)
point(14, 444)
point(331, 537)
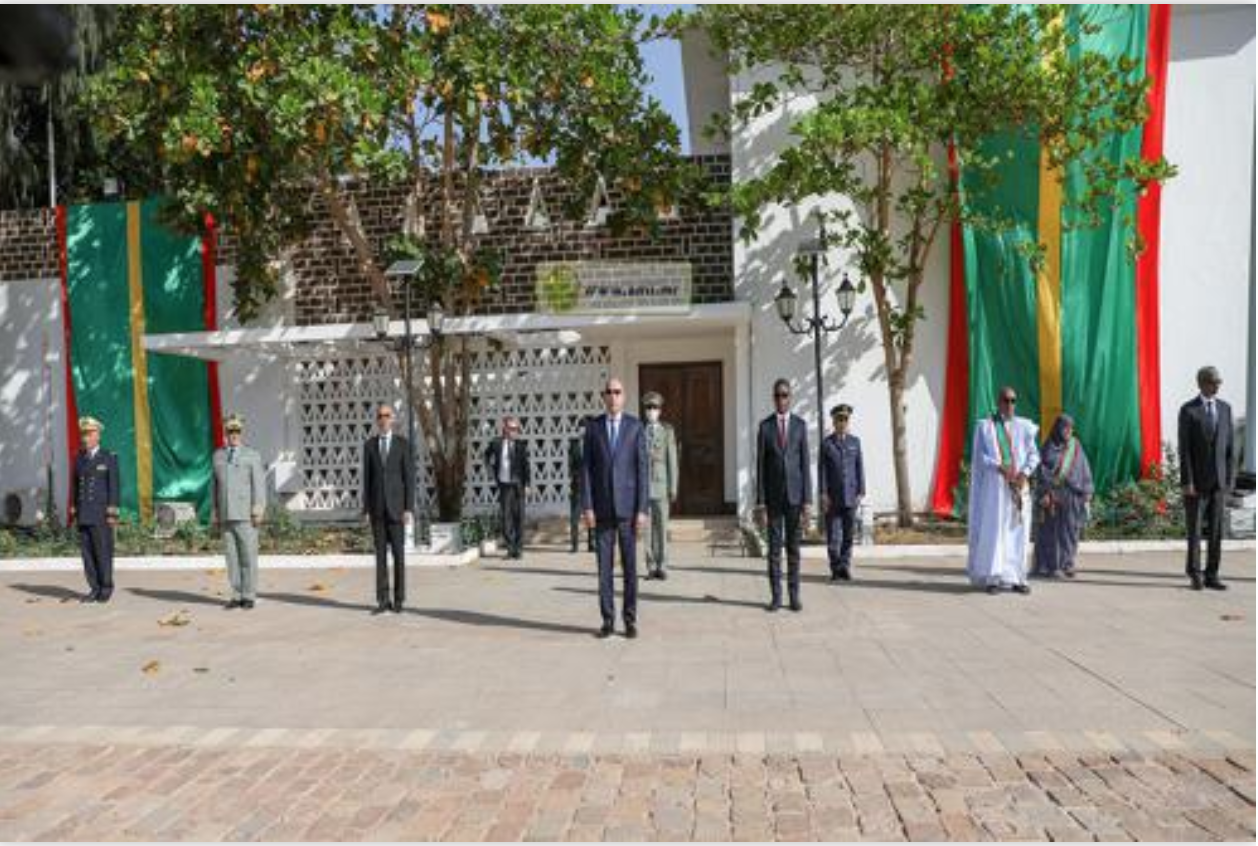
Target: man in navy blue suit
point(615, 500)
point(783, 490)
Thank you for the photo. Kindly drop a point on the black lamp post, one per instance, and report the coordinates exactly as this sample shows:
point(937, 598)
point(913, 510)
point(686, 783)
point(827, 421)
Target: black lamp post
point(406, 271)
point(818, 324)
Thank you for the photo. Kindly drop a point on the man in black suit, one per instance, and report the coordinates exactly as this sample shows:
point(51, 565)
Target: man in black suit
point(94, 489)
point(783, 490)
point(1206, 472)
point(388, 498)
point(507, 458)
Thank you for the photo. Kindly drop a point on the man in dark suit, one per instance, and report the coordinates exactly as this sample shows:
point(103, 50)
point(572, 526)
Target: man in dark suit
point(614, 500)
point(507, 458)
point(783, 490)
point(575, 463)
point(94, 509)
point(1206, 472)
point(388, 498)
point(842, 487)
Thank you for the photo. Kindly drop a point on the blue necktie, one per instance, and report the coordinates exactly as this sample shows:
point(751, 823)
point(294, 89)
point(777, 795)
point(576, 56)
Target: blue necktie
point(615, 433)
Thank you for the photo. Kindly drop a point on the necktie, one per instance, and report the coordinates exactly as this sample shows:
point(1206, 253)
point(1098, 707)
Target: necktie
point(615, 433)
point(384, 448)
point(782, 432)
point(231, 455)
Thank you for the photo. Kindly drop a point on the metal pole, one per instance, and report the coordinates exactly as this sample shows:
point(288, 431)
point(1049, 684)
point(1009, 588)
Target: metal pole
point(817, 335)
point(52, 150)
point(408, 341)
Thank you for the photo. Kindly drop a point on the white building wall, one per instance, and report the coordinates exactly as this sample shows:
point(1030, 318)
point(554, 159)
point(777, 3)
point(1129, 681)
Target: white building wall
point(1206, 242)
point(1207, 228)
point(32, 389)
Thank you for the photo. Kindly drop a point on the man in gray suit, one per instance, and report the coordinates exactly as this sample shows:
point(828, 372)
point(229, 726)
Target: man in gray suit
point(239, 501)
point(1206, 471)
point(783, 490)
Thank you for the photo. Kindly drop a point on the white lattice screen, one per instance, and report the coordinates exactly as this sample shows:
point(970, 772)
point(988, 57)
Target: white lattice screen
point(549, 389)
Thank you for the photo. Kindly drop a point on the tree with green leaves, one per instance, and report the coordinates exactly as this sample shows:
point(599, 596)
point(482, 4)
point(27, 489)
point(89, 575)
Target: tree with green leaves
point(253, 112)
point(880, 93)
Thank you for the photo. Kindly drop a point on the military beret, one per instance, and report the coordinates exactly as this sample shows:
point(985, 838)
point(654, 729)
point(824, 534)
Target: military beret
point(88, 423)
point(652, 398)
point(842, 408)
point(234, 423)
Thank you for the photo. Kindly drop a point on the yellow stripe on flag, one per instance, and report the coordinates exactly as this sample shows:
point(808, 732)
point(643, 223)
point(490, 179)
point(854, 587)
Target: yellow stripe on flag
point(139, 367)
point(1048, 287)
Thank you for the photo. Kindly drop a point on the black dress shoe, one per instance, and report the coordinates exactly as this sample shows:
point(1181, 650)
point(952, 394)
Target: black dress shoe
point(662, 575)
point(631, 631)
point(834, 577)
point(796, 605)
point(87, 598)
point(103, 597)
point(1195, 581)
point(605, 631)
point(992, 590)
point(380, 609)
point(396, 608)
point(650, 575)
point(1022, 589)
point(773, 606)
point(246, 604)
point(845, 574)
point(1215, 584)
point(235, 603)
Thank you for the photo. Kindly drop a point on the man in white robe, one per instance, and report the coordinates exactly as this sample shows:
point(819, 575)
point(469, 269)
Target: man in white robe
point(1003, 458)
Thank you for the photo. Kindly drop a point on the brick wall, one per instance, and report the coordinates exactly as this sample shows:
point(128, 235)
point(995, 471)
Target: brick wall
point(28, 245)
point(331, 290)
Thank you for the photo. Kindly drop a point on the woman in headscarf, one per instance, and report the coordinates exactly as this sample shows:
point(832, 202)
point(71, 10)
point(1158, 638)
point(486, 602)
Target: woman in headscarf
point(1063, 487)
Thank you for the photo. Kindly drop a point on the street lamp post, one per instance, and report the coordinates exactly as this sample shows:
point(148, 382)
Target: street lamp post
point(818, 325)
point(406, 271)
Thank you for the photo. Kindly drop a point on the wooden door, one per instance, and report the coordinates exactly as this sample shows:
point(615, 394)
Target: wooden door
point(694, 405)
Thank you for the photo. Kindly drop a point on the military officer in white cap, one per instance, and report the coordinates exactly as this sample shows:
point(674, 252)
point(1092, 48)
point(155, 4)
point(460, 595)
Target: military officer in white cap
point(661, 447)
point(94, 489)
point(239, 502)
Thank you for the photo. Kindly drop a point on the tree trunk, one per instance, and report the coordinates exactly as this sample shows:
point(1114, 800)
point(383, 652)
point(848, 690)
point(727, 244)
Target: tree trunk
point(900, 451)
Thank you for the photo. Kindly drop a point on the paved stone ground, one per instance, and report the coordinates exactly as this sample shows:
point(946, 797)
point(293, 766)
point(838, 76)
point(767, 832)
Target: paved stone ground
point(901, 705)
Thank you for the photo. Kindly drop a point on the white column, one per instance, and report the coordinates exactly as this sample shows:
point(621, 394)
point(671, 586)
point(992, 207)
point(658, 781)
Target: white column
point(743, 418)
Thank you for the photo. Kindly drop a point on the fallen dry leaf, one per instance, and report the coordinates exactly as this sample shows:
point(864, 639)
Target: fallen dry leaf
point(178, 618)
point(318, 587)
point(151, 667)
point(200, 669)
point(1231, 617)
point(32, 631)
point(31, 600)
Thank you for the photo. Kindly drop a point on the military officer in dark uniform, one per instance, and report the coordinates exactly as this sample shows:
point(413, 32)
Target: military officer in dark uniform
point(94, 508)
point(842, 489)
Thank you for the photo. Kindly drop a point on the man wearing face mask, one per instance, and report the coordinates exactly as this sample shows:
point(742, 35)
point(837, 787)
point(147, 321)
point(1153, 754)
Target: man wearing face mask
point(661, 445)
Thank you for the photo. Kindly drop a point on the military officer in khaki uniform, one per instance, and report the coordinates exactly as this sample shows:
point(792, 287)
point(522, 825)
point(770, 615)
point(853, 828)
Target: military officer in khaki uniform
point(661, 445)
point(239, 502)
point(94, 490)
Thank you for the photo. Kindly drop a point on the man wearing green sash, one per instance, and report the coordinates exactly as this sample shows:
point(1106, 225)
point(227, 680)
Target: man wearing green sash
point(1003, 458)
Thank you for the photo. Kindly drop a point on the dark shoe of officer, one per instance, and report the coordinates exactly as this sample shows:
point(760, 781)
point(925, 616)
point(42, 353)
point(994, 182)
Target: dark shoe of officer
point(796, 605)
point(89, 597)
point(235, 603)
point(1215, 584)
point(605, 631)
point(631, 631)
point(773, 607)
point(1196, 581)
point(992, 590)
point(1022, 589)
point(380, 609)
point(246, 604)
point(662, 575)
point(845, 574)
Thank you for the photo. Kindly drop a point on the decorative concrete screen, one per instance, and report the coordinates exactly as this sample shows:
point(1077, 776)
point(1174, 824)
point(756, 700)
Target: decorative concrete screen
point(613, 287)
point(549, 388)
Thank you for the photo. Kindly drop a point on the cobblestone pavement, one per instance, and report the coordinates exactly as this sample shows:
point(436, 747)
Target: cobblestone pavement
point(900, 705)
point(61, 792)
